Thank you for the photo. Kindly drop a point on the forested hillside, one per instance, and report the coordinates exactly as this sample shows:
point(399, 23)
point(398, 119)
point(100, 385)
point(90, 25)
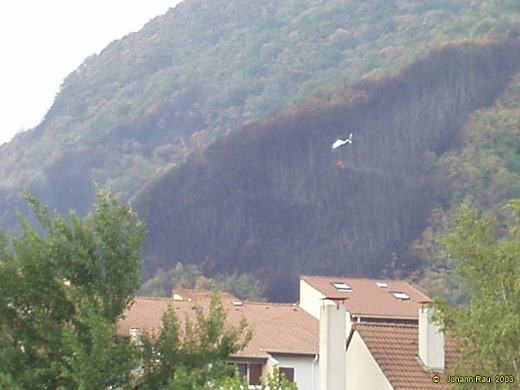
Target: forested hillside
point(271, 198)
point(162, 106)
point(207, 67)
point(483, 170)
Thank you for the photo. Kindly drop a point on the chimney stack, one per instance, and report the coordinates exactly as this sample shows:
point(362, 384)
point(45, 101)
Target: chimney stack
point(135, 335)
point(431, 340)
point(332, 346)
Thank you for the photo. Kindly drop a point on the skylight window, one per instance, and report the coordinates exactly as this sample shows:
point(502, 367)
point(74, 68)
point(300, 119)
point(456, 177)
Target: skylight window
point(401, 296)
point(382, 285)
point(342, 286)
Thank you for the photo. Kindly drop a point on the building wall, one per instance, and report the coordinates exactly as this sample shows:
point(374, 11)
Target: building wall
point(310, 299)
point(363, 373)
point(332, 346)
point(268, 367)
point(348, 322)
point(306, 370)
point(431, 341)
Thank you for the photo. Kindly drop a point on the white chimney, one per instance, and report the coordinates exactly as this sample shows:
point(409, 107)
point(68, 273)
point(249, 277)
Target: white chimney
point(431, 340)
point(332, 346)
point(135, 335)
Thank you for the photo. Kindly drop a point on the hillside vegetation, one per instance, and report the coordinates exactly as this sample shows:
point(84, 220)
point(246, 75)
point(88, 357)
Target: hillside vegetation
point(484, 170)
point(271, 199)
point(162, 108)
point(207, 67)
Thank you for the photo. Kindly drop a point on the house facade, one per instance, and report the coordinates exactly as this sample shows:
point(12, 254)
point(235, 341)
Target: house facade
point(385, 356)
point(284, 335)
point(366, 300)
point(344, 334)
point(363, 370)
point(390, 340)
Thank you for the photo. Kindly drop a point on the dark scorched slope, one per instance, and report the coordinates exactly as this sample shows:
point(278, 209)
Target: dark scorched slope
point(271, 199)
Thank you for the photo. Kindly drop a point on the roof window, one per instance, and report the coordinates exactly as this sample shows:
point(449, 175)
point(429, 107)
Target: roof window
point(382, 285)
point(401, 296)
point(341, 286)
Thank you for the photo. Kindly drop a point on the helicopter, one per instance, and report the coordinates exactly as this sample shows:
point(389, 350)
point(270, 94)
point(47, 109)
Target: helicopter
point(340, 142)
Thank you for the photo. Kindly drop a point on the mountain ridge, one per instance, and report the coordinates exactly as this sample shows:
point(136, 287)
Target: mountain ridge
point(206, 68)
point(158, 99)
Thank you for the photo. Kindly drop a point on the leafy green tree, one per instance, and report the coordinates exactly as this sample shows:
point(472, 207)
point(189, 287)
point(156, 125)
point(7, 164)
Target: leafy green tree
point(61, 294)
point(275, 381)
point(436, 276)
point(63, 288)
point(190, 357)
point(243, 286)
point(488, 328)
point(278, 380)
point(180, 276)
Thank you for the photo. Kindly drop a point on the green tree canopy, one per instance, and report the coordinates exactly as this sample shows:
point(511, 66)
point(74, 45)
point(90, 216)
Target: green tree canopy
point(276, 381)
point(243, 286)
point(63, 287)
point(488, 328)
point(189, 356)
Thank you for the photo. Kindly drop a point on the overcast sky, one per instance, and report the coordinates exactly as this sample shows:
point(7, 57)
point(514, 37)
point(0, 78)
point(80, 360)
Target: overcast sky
point(42, 41)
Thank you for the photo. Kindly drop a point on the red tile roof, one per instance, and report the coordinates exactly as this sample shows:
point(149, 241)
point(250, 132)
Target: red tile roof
point(200, 295)
point(395, 349)
point(145, 314)
point(367, 299)
point(277, 328)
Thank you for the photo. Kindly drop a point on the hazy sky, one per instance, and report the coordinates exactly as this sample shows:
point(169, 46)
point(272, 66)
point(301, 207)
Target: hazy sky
point(42, 41)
